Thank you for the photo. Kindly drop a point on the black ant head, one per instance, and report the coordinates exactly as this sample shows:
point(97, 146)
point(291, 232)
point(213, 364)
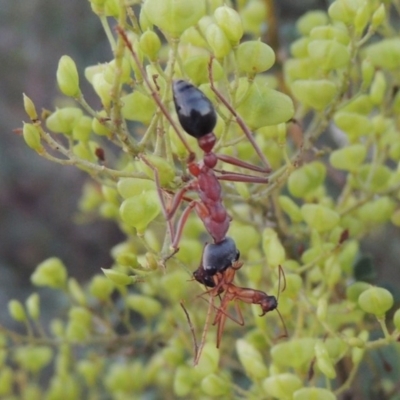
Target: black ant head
point(217, 257)
point(268, 303)
point(202, 277)
point(195, 111)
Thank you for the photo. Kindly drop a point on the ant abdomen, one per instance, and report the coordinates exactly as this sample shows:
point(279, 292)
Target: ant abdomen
point(195, 111)
point(217, 257)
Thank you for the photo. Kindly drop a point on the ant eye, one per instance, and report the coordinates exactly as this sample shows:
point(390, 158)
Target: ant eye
point(195, 111)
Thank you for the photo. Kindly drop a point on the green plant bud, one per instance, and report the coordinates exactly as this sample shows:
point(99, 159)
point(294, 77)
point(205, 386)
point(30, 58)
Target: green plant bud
point(103, 89)
point(313, 393)
point(83, 151)
point(91, 198)
point(130, 187)
point(82, 129)
point(338, 33)
point(118, 278)
point(253, 16)
point(378, 17)
point(80, 315)
point(322, 309)
point(93, 70)
point(361, 104)
point(174, 16)
point(299, 48)
point(229, 21)
point(119, 379)
point(57, 328)
point(290, 208)
point(373, 177)
point(194, 38)
point(111, 8)
point(138, 107)
point(377, 211)
point(33, 359)
point(353, 291)
point(67, 77)
point(324, 362)
point(306, 179)
point(367, 73)
point(29, 107)
point(310, 20)
point(329, 54)
point(396, 319)
point(362, 17)
point(90, 370)
point(31, 136)
point(218, 41)
point(184, 381)
point(344, 10)
point(110, 194)
point(348, 158)
point(140, 210)
point(32, 304)
point(99, 124)
point(214, 385)
point(355, 125)
point(196, 68)
point(301, 68)
point(111, 70)
point(76, 332)
point(144, 305)
point(6, 381)
point(51, 273)
point(76, 292)
point(101, 287)
point(150, 44)
point(336, 348)
point(254, 57)
point(273, 249)
point(246, 235)
point(64, 120)
point(17, 311)
point(165, 170)
point(376, 300)
point(316, 94)
point(348, 255)
point(263, 106)
point(282, 386)
point(378, 88)
point(251, 359)
point(283, 353)
point(319, 217)
point(208, 362)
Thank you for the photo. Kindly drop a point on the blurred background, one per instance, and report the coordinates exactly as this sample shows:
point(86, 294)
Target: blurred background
point(38, 198)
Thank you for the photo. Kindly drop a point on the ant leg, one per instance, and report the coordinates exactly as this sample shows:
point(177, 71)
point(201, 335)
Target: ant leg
point(238, 119)
point(237, 177)
point(205, 330)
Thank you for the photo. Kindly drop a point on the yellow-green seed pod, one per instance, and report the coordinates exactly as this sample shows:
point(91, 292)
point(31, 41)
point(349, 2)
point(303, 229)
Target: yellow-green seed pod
point(376, 300)
point(32, 304)
point(367, 73)
point(17, 311)
point(310, 20)
point(33, 359)
point(144, 305)
point(218, 41)
point(82, 129)
point(282, 386)
point(329, 54)
point(137, 106)
point(313, 393)
point(111, 8)
point(344, 11)
point(263, 106)
point(67, 77)
point(354, 290)
point(324, 362)
point(140, 210)
point(377, 212)
point(355, 125)
point(76, 332)
point(319, 217)
point(93, 70)
point(322, 309)
point(196, 68)
point(174, 16)
point(64, 120)
point(51, 273)
point(29, 107)
point(83, 151)
point(362, 17)
point(111, 70)
point(251, 360)
point(303, 348)
point(253, 17)
point(299, 48)
point(378, 88)
point(348, 158)
point(118, 278)
point(31, 136)
point(378, 17)
point(165, 170)
point(99, 124)
point(130, 187)
point(317, 94)
point(373, 177)
point(396, 319)
point(150, 44)
point(214, 385)
point(184, 381)
point(101, 287)
point(290, 208)
point(76, 291)
point(273, 249)
point(305, 180)
point(102, 89)
point(361, 104)
point(229, 21)
point(338, 33)
point(254, 57)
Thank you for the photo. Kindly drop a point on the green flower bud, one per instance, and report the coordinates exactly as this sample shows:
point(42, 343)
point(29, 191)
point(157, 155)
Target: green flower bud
point(184, 381)
point(51, 273)
point(362, 17)
point(33, 359)
point(310, 20)
point(144, 305)
point(138, 107)
point(253, 16)
point(378, 17)
point(361, 104)
point(367, 73)
point(29, 107)
point(299, 48)
point(251, 360)
point(165, 170)
point(33, 306)
point(140, 210)
point(329, 54)
point(377, 211)
point(102, 89)
point(111, 8)
point(84, 152)
point(229, 21)
point(263, 106)
point(76, 332)
point(118, 278)
point(17, 311)
point(282, 353)
point(101, 287)
point(67, 77)
point(355, 125)
point(317, 94)
point(319, 217)
point(99, 124)
point(6, 381)
point(348, 254)
point(254, 57)
point(322, 309)
point(353, 291)
point(305, 180)
point(313, 393)
point(376, 300)
point(196, 68)
point(372, 177)
point(76, 291)
point(290, 208)
point(282, 386)
point(119, 379)
point(303, 68)
point(213, 385)
point(378, 88)
point(348, 158)
point(150, 44)
point(324, 362)
point(80, 315)
point(31, 136)
point(338, 33)
point(344, 11)
point(273, 249)
point(396, 319)
point(57, 328)
point(82, 129)
point(111, 70)
point(174, 16)
point(64, 120)
point(218, 41)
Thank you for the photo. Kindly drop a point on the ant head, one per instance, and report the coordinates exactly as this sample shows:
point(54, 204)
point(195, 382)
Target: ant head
point(203, 277)
point(217, 257)
point(268, 303)
point(195, 111)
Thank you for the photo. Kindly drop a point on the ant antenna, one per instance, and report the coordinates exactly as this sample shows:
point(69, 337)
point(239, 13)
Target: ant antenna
point(280, 277)
point(196, 346)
